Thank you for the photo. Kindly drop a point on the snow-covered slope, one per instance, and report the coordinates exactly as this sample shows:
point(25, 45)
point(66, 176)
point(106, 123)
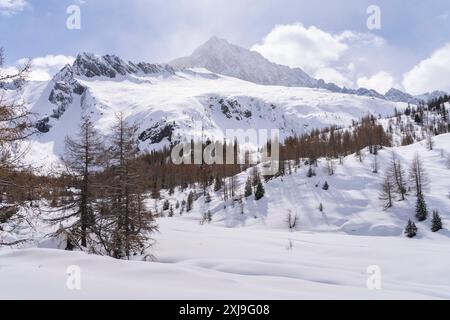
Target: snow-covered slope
point(254, 255)
point(350, 206)
point(167, 104)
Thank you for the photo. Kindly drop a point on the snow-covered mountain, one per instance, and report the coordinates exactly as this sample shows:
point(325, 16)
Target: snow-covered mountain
point(400, 96)
point(431, 95)
point(167, 104)
point(222, 57)
point(219, 56)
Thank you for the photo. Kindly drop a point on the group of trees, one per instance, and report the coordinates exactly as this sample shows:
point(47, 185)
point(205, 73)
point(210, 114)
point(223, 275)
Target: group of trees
point(432, 118)
point(159, 172)
point(105, 211)
point(396, 186)
point(336, 143)
point(254, 186)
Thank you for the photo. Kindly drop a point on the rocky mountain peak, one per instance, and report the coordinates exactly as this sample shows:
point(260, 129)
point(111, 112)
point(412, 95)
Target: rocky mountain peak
point(111, 66)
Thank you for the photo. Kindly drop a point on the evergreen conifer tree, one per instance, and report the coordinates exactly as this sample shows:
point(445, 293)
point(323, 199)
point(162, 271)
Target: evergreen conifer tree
point(436, 222)
point(259, 193)
point(190, 201)
point(411, 229)
point(421, 208)
point(248, 188)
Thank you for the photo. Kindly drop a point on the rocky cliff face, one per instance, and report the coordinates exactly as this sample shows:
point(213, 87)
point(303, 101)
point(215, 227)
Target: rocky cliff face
point(90, 65)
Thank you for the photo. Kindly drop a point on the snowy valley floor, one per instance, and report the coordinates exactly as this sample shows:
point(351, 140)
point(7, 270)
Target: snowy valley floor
point(197, 262)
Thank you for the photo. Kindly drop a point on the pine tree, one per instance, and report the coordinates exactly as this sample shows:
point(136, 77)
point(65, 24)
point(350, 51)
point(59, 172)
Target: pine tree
point(256, 177)
point(209, 216)
point(248, 188)
point(421, 208)
point(217, 184)
point(436, 222)
point(310, 172)
point(208, 197)
point(325, 186)
point(190, 201)
point(171, 212)
point(411, 229)
point(259, 193)
point(166, 205)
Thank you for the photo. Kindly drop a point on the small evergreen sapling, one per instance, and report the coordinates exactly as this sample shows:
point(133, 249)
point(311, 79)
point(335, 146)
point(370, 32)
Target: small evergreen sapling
point(325, 186)
point(436, 222)
point(248, 188)
point(311, 173)
point(166, 205)
point(190, 201)
point(259, 193)
point(321, 207)
point(421, 208)
point(411, 229)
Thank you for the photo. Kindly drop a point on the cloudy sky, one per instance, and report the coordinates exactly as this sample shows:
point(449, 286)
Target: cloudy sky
point(329, 38)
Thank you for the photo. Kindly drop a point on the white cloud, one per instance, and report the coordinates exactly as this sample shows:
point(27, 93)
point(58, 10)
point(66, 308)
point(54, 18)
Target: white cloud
point(342, 58)
point(381, 82)
point(298, 46)
point(430, 74)
point(10, 7)
point(44, 68)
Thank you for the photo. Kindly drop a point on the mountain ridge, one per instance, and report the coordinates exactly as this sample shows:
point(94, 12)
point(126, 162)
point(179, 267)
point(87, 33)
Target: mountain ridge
point(220, 56)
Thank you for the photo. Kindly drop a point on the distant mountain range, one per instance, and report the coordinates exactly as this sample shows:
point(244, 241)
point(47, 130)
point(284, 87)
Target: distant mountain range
point(221, 86)
point(219, 56)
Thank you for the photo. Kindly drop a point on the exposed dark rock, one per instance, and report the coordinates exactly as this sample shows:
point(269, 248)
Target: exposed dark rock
point(158, 132)
point(90, 65)
point(43, 125)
